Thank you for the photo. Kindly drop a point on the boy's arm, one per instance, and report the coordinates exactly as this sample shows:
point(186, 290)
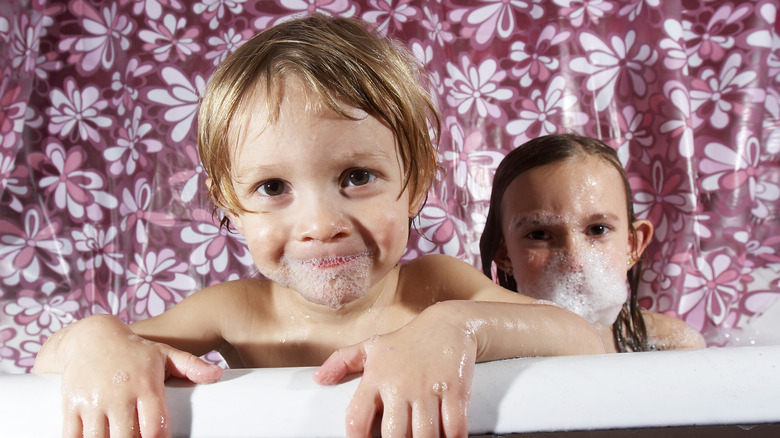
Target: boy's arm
point(419, 377)
point(113, 379)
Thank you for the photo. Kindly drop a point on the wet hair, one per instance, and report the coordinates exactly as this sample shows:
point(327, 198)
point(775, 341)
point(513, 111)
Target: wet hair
point(629, 330)
point(340, 62)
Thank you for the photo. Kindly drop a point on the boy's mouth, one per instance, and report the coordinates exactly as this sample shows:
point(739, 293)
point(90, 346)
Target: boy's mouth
point(333, 262)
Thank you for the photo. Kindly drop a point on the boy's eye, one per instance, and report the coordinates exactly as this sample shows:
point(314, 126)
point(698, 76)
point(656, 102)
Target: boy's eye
point(358, 177)
point(272, 187)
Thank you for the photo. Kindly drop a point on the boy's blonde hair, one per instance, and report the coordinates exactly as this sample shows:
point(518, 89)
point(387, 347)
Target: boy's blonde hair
point(341, 62)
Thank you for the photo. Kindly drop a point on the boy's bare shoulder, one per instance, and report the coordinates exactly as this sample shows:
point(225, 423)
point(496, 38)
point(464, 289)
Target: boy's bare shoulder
point(670, 333)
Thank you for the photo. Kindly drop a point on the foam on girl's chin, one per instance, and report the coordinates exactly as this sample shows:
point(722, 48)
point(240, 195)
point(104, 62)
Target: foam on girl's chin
point(596, 291)
point(331, 281)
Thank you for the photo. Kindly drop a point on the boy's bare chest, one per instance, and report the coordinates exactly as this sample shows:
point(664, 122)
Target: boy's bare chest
point(292, 340)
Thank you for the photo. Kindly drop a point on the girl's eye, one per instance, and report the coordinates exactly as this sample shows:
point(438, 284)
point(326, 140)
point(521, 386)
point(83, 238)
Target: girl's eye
point(598, 230)
point(538, 235)
point(358, 177)
point(273, 187)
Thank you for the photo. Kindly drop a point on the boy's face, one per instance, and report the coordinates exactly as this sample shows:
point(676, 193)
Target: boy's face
point(567, 236)
point(325, 217)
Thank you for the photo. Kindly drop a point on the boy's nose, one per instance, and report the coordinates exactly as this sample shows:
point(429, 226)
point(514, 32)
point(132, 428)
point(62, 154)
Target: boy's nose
point(321, 220)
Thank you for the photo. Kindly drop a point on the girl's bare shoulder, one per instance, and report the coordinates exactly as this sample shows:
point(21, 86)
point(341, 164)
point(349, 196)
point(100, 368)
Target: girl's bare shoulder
point(670, 333)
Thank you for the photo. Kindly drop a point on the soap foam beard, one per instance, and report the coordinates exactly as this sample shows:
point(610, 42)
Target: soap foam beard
point(596, 292)
point(332, 286)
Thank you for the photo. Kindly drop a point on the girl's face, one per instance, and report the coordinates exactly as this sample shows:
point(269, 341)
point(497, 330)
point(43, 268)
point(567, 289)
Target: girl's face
point(327, 216)
point(567, 238)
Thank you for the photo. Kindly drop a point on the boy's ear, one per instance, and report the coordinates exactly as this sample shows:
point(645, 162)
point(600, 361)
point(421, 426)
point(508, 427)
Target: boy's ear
point(643, 234)
point(235, 222)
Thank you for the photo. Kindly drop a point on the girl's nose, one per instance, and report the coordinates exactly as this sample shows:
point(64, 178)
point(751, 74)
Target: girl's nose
point(572, 253)
point(321, 220)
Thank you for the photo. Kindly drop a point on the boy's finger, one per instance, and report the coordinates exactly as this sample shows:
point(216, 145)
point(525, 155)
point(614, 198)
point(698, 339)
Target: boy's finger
point(187, 366)
point(361, 413)
point(426, 419)
point(454, 415)
point(395, 419)
point(71, 425)
point(342, 363)
point(153, 419)
point(123, 422)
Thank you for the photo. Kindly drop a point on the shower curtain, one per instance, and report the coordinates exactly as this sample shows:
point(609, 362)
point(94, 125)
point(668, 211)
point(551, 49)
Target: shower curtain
point(102, 201)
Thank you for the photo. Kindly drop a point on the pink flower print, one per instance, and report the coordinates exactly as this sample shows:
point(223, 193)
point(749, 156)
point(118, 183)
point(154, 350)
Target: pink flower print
point(725, 168)
point(153, 8)
point(440, 228)
point(621, 67)
point(664, 199)
point(707, 41)
point(23, 251)
point(14, 183)
point(126, 94)
point(535, 62)
point(385, 13)
point(12, 109)
point(633, 9)
point(578, 10)
point(6, 351)
point(131, 146)
point(135, 211)
point(156, 280)
point(225, 43)
point(541, 115)
point(77, 191)
point(25, 44)
point(213, 245)
point(182, 97)
point(42, 312)
point(482, 23)
point(714, 98)
point(679, 123)
point(97, 248)
point(170, 38)
point(632, 127)
point(674, 46)
point(335, 8)
point(475, 86)
point(664, 268)
point(76, 113)
point(214, 10)
point(106, 34)
point(471, 166)
point(711, 289)
point(190, 175)
point(438, 29)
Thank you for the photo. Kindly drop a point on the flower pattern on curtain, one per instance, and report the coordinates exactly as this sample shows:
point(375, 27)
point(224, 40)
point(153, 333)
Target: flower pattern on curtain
point(102, 207)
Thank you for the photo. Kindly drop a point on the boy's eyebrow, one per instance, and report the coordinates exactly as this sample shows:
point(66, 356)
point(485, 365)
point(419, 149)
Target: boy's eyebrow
point(248, 172)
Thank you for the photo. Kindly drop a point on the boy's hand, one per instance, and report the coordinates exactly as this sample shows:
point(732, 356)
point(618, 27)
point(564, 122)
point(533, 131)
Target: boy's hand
point(113, 380)
point(417, 378)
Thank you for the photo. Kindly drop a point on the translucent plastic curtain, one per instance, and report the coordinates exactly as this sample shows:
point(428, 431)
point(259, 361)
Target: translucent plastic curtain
point(102, 208)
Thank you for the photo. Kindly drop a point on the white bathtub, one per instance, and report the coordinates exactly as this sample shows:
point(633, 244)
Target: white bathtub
point(734, 388)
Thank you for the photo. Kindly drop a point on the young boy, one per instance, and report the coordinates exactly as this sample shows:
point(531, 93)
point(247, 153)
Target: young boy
point(316, 140)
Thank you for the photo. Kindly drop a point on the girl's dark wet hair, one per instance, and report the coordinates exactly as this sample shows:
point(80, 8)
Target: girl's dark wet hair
point(629, 330)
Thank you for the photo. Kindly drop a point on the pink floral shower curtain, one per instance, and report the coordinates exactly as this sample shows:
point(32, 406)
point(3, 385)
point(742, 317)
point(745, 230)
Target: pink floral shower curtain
point(101, 201)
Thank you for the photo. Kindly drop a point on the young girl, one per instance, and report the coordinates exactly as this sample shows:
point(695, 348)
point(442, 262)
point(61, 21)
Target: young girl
point(561, 227)
point(315, 137)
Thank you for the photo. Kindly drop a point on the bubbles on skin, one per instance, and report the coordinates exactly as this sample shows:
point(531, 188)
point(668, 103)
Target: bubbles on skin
point(585, 284)
point(121, 377)
point(439, 388)
point(332, 281)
